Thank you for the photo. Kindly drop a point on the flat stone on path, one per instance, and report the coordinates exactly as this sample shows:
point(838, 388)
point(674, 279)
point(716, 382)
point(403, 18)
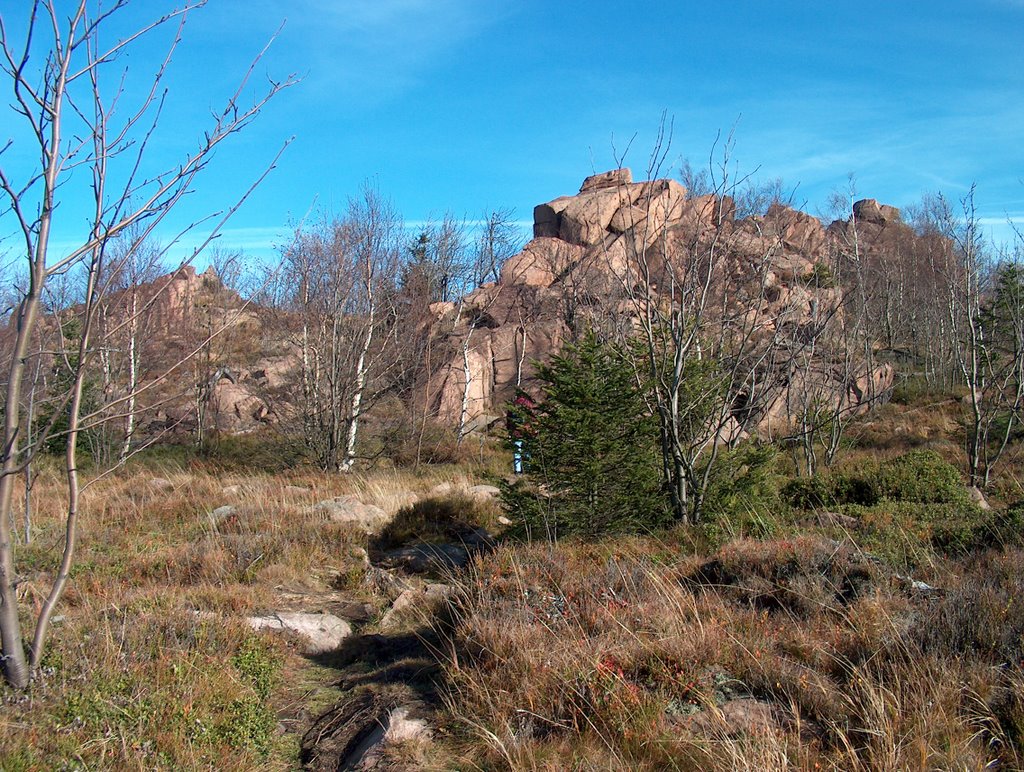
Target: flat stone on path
point(322, 632)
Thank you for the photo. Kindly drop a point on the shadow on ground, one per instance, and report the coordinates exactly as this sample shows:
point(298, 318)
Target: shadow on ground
point(379, 674)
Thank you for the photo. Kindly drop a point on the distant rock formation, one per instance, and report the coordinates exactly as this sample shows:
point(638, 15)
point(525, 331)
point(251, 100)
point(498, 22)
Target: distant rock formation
point(236, 367)
point(571, 275)
point(575, 273)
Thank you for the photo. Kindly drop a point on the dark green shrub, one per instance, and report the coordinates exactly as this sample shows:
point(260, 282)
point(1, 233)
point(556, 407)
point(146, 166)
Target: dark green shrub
point(907, 534)
point(921, 476)
point(860, 487)
point(249, 721)
point(1002, 528)
point(808, 492)
point(743, 496)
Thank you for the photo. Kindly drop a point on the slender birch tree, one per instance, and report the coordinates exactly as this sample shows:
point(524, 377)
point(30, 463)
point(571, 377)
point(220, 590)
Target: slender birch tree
point(344, 272)
point(70, 91)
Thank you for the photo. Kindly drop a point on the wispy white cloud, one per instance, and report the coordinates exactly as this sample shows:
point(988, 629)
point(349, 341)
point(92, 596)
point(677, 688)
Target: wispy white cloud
point(374, 51)
point(260, 241)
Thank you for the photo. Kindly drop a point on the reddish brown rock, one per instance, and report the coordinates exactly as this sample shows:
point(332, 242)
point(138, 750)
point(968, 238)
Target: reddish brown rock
point(547, 218)
point(587, 258)
point(612, 179)
point(626, 218)
point(798, 231)
point(585, 220)
point(540, 263)
point(867, 210)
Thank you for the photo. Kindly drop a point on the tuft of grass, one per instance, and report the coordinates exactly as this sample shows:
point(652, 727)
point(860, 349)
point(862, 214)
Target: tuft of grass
point(439, 518)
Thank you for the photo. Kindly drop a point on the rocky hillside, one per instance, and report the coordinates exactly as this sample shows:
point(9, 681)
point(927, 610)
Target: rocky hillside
point(584, 262)
point(596, 259)
point(237, 357)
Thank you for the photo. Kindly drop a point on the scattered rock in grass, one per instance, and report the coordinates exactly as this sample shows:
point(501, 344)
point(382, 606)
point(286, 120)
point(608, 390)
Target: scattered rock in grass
point(231, 490)
point(354, 611)
point(744, 715)
point(220, 514)
point(478, 539)
point(484, 492)
point(502, 520)
point(349, 509)
point(836, 520)
point(405, 723)
point(161, 484)
point(442, 489)
point(384, 582)
point(979, 498)
point(296, 490)
point(430, 557)
point(322, 632)
point(426, 558)
point(414, 606)
point(916, 585)
point(477, 492)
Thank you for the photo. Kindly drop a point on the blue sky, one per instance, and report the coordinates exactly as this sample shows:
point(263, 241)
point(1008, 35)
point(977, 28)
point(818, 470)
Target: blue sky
point(468, 105)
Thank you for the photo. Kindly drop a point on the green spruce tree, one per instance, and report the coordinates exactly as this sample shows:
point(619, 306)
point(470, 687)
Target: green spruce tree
point(591, 449)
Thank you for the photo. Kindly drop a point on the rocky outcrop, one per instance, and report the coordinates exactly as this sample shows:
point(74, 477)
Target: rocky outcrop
point(870, 211)
point(243, 368)
point(581, 269)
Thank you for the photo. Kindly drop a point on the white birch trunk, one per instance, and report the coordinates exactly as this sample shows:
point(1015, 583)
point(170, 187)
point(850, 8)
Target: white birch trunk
point(133, 379)
point(360, 381)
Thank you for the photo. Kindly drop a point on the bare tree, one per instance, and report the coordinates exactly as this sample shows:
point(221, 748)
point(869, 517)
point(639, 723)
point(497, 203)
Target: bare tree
point(133, 260)
point(497, 241)
point(705, 354)
point(985, 306)
point(343, 272)
point(73, 102)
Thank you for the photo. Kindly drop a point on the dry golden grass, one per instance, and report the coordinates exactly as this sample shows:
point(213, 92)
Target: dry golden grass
point(766, 656)
point(805, 649)
point(149, 664)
